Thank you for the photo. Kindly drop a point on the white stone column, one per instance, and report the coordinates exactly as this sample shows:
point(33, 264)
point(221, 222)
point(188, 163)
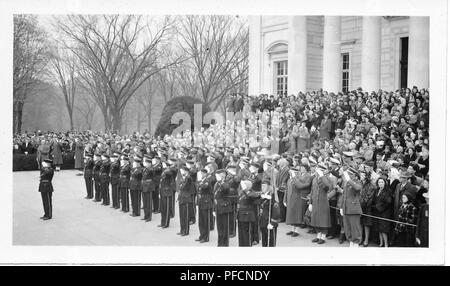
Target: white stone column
point(297, 56)
point(254, 59)
point(331, 79)
point(419, 52)
point(371, 53)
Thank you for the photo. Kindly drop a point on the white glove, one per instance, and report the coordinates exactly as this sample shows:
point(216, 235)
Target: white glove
point(214, 214)
point(310, 208)
point(269, 226)
point(341, 211)
point(417, 241)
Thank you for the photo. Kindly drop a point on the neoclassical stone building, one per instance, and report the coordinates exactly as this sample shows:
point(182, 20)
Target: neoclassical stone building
point(337, 53)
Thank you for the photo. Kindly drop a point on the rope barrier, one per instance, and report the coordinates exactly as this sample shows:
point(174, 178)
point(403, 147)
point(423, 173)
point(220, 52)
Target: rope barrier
point(375, 217)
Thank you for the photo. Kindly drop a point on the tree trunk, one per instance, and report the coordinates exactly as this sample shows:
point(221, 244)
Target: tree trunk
point(71, 120)
point(17, 116)
point(116, 121)
point(139, 120)
point(149, 118)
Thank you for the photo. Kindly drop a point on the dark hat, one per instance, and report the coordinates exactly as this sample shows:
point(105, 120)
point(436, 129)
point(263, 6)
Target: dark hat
point(369, 163)
point(220, 171)
point(113, 156)
point(255, 164)
point(322, 166)
point(190, 162)
point(231, 166)
point(48, 161)
point(125, 158)
point(105, 155)
point(211, 155)
point(295, 168)
point(184, 167)
point(245, 160)
point(137, 159)
point(88, 155)
point(204, 171)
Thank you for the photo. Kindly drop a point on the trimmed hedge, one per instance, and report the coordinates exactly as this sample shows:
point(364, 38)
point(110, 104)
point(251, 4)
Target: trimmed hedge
point(22, 162)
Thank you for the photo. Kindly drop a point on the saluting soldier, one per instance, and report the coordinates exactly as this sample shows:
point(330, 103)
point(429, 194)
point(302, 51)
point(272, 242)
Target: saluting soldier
point(211, 177)
point(185, 200)
point(115, 178)
point(136, 187)
point(190, 164)
point(88, 173)
point(256, 179)
point(46, 188)
point(104, 178)
point(96, 173)
point(205, 201)
point(233, 181)
point(124, 183)
point(157, 171)
point(222, 208)
point(148, 187)
point(246, 212)
point(167, 189)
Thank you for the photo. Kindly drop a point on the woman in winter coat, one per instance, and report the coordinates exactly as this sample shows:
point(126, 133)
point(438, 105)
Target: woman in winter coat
point(319, 206)
point(366, 201)
point(382, 207)
point(299, 187)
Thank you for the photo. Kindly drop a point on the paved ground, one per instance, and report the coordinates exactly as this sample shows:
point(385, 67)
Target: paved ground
point(78, 221)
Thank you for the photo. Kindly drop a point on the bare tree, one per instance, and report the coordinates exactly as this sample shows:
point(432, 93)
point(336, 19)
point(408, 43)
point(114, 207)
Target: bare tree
point(86, 107)
point(145, 97)
point(218, 46)
point(117, 54)
point(29, 62)
point(62, 70)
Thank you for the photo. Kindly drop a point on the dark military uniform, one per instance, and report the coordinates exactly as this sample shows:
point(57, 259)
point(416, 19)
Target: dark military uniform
point(124, 183)
point(96, 171)
point(148, 188)
point(256, 180)
point(266, 211)
point(233, 182)
point(135, 190)
point(247, 216)
point(157, 170)
point(223, 211)
point(104, 181)
point(205, 201)
point(88, 173)
point(46, 190)
point(193, 192)
point(185, 203)
point(115, 179)
point(166, 189)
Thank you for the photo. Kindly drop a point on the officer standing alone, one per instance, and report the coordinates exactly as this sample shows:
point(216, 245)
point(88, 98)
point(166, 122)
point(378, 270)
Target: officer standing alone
point(46, 188)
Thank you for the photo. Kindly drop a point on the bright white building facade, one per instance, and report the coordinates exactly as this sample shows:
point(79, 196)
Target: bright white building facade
point(289, 54)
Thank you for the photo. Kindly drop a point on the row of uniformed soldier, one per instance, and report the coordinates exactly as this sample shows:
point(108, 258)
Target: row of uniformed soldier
point(223, 196)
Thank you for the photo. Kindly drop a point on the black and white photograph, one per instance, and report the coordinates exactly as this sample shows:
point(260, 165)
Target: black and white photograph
point(160, 133)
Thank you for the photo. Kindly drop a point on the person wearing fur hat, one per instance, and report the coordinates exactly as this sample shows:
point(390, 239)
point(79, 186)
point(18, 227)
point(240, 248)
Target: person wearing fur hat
point(405, 234)
point(46, 188)
point(366, 200)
